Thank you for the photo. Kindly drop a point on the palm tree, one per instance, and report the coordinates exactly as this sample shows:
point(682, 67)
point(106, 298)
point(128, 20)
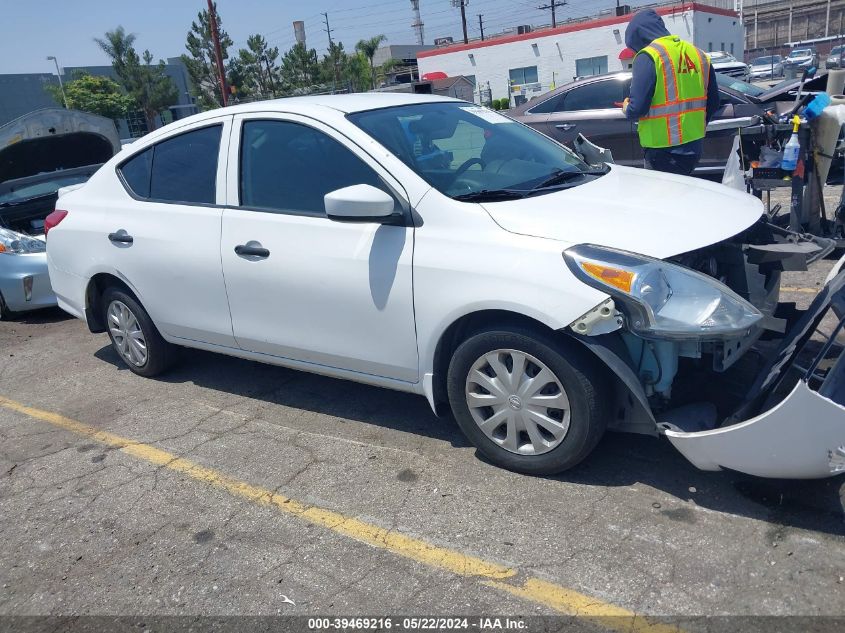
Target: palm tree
point(368, 48)
point(118, 45)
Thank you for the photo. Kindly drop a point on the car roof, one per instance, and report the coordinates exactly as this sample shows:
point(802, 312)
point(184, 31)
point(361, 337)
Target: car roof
point(346, 103)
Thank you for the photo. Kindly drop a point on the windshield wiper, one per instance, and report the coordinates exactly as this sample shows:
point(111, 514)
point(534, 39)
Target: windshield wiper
point(491, 195)
point(561, 176)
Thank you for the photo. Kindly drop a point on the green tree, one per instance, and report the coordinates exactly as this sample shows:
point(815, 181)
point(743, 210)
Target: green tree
point(255, 67)
point(368, 48)
point(154, 91)
point(95, 94)
point(201, 61)
point(300, 68)
point(147, 84)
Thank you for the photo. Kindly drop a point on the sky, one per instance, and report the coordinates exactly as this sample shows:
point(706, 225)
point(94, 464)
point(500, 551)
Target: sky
point(33, 29)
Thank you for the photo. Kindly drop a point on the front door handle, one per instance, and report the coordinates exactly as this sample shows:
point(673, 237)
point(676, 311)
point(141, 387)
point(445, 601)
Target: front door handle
point(121, 237)
point(252, 249)
point(566, 126)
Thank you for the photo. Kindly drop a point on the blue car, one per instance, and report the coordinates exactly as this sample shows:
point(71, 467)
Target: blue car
point(41, 153)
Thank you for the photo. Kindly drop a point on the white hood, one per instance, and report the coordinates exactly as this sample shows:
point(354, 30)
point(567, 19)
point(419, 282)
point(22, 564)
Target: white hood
point(646, 212)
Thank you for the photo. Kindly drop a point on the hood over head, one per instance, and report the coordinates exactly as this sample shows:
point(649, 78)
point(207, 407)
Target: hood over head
point(645, 27)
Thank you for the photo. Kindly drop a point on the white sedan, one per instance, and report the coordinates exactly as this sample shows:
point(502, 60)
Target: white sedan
point(433, 246)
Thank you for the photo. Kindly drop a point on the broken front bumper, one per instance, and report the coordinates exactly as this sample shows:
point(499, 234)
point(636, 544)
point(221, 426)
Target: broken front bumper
point(800, 435)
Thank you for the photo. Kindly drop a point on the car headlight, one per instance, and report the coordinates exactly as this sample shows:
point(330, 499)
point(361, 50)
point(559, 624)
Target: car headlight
point(663, 300)
point(18, 243)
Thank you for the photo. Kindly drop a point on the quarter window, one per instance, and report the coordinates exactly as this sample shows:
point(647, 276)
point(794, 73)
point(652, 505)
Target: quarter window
point(289, 167)
point(180, 169)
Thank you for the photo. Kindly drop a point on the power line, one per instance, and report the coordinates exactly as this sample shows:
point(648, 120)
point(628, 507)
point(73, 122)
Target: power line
point(552, 4)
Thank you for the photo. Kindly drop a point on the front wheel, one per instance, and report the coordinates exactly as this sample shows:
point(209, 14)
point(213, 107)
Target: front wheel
point(527, 401)
point(134, 336)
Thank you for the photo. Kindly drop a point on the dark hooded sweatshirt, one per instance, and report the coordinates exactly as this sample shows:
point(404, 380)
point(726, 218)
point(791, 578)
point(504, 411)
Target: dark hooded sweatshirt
point(645, 27)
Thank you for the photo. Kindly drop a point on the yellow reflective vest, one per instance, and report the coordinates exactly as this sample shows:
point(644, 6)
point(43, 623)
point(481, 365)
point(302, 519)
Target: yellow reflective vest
point(678, 111)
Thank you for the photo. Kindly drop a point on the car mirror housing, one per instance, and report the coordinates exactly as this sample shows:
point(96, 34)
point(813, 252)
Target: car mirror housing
point(359, 203)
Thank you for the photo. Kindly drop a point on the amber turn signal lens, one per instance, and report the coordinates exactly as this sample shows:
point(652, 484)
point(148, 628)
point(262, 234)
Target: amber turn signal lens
point(621, 279)
point(2, 248)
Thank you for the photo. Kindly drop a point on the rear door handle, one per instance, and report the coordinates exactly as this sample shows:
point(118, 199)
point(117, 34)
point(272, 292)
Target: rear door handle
point(566, 126)
point(252, 249)
point(121, 237)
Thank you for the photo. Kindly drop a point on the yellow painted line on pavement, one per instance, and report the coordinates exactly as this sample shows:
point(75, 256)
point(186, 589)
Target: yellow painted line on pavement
point(490, 574)
point(794, 289)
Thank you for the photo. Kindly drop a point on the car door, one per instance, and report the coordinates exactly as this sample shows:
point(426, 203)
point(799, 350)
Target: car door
point(594, 109)
point(163, 238)
point(302, 286)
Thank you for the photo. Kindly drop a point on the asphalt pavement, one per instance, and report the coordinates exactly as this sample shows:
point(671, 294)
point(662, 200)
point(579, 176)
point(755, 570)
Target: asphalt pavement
point(228, 487)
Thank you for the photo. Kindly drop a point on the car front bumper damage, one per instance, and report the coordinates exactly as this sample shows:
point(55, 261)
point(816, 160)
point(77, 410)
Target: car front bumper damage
point(799, 435)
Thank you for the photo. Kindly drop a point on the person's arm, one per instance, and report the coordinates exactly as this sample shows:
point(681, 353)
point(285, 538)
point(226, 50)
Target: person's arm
point(642, 87)
point(714, 99)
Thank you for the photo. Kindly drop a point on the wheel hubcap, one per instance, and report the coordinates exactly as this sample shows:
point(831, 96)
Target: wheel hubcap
point(127, 334)
point(517, 402)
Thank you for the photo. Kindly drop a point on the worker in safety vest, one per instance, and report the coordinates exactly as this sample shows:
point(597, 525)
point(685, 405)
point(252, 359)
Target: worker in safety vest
point(673, 94)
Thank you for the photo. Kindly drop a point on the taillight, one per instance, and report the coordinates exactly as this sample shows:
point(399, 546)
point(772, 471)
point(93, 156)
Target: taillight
point(53, 220)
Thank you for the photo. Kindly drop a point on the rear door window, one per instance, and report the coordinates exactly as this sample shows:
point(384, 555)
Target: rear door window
point(599, 95)
point(180, 169)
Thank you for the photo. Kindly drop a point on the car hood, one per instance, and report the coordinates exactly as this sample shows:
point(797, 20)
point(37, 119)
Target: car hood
point(647, 212)
point(737, 64)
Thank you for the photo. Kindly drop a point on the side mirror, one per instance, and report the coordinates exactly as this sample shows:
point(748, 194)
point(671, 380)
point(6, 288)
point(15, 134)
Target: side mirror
point(359, 203)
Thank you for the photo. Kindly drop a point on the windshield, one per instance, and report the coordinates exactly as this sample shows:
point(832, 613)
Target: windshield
point(836, 50)
point(466, 151)
point(804, 52)
point(43, 188)
point(738, 85)
point(765, 61)
point(722, 57)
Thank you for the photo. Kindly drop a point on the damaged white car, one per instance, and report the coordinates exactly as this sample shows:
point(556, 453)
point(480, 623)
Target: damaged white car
point(432, 246)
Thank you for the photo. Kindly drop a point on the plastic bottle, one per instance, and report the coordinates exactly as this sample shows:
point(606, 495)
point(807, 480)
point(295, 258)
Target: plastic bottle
point(792, 149)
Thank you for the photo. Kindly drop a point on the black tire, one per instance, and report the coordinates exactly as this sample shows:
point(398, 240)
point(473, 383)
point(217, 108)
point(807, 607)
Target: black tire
point(582, 377)
point(160, 353)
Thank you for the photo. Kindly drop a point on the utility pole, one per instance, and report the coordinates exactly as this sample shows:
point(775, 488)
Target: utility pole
point(481, 25)
point(463, 5)
point(552, 5)
point(218, 53)
point(328, 31)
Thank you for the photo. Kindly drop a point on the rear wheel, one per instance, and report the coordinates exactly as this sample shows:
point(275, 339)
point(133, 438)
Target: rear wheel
point(134, 336)
point(526, 401)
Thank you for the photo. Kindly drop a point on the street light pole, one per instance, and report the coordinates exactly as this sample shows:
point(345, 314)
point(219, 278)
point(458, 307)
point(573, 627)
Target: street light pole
point(59, 75)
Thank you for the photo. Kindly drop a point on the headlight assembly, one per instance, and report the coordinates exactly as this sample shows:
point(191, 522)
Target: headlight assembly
point(18, 243)
point(663, 300)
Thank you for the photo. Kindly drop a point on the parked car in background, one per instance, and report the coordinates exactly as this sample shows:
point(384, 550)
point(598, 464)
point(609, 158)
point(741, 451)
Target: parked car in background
point(727, 64)
point(766, 67)
point(40, 153)
point(432, 246)
point(801, 58)
point(592, 107)
point(835, 57)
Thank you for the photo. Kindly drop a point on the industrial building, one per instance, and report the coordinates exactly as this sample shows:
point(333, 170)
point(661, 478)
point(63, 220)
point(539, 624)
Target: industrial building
point(24, 93)
point(775, 26)
point(531, 62)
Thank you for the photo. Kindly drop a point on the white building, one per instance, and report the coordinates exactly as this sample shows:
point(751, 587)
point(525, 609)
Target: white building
point(529, 64)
